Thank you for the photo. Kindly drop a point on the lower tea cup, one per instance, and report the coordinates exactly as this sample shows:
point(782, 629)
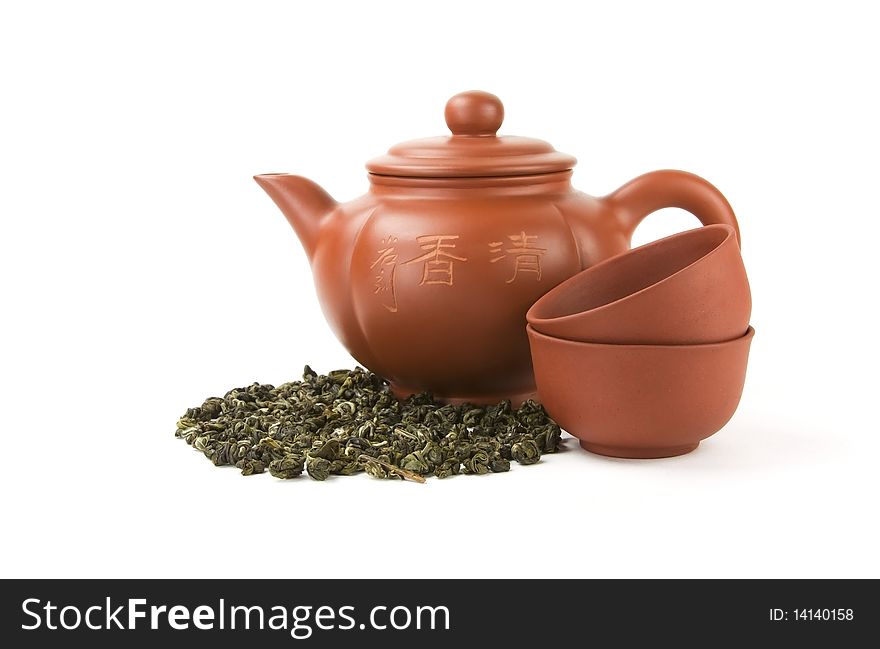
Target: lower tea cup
point(639, 401)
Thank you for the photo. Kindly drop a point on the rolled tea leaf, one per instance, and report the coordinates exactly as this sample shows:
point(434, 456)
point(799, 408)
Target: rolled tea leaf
point(348, 422)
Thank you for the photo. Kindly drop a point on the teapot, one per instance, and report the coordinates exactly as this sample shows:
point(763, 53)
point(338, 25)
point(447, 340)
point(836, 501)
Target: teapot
point(426, 278)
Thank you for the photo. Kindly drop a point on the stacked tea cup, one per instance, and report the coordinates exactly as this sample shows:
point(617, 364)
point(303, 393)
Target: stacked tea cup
point(644, 355)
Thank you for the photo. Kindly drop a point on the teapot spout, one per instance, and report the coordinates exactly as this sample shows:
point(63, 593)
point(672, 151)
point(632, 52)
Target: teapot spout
point(304, 203)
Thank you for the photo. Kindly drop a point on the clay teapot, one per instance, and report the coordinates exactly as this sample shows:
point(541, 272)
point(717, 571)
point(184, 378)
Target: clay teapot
point(426, 278)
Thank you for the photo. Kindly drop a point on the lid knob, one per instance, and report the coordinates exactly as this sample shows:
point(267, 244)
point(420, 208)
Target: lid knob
point(474, 113)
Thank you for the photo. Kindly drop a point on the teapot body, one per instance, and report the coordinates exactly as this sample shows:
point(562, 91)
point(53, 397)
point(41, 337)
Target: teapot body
point(428, 286)
point(427, 278)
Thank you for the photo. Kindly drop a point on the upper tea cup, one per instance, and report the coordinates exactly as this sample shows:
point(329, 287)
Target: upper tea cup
point(687, 289)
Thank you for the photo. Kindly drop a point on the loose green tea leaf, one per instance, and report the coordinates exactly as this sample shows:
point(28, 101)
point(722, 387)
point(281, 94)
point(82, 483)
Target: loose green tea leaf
point(348, 422)
point(526, 451)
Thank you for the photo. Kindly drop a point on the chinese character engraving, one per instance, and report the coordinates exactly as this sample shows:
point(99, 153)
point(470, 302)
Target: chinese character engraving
point(526, 256)
point(439, 262)
point(385, 267)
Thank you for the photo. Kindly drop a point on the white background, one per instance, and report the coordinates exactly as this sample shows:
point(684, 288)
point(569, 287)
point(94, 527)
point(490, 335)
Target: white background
point(143, 270)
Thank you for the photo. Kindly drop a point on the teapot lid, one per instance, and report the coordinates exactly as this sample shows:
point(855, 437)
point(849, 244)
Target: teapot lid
point(473, 150)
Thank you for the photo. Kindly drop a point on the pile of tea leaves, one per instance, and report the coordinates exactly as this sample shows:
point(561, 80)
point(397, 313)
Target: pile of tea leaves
point(349, 421)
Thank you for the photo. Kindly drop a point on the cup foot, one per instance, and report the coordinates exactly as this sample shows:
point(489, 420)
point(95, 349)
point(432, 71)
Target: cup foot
point(641, 453)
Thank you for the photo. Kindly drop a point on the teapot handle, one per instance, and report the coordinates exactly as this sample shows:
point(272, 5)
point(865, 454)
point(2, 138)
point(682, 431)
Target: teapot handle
point(669, 188)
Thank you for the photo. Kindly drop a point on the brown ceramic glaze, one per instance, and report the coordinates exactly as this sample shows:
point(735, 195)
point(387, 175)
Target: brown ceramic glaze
point(639, 401)
point(426, 279)
point(687, 289)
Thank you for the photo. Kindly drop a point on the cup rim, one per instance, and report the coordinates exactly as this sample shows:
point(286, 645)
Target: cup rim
point(573, 280)
point(532, 332)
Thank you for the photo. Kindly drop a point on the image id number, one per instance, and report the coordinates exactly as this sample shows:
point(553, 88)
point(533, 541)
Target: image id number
point(812, 614)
